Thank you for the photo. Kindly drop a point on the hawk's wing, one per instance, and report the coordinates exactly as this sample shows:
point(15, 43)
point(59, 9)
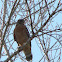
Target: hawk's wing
point(28, 34)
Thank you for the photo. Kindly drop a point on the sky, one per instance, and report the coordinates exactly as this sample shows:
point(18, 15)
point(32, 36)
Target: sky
point(37, 53)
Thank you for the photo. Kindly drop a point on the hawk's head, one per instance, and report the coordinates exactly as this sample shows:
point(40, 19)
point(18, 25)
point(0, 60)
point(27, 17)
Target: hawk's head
point(20, 21)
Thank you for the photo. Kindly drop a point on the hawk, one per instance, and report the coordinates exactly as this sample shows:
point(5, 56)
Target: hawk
point(21, 35)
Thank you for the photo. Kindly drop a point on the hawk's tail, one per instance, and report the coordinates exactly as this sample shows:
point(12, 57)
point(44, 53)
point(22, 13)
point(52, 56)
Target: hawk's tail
point(29, 57)
point(27, 51)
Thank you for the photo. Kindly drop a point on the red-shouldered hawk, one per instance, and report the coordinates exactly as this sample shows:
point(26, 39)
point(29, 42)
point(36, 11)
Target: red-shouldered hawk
point(21, 35)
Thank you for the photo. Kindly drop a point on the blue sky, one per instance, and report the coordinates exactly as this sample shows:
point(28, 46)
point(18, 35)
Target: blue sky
point(36, 48)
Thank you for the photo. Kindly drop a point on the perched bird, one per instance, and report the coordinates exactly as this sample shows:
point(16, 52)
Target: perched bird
point(21, 35)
